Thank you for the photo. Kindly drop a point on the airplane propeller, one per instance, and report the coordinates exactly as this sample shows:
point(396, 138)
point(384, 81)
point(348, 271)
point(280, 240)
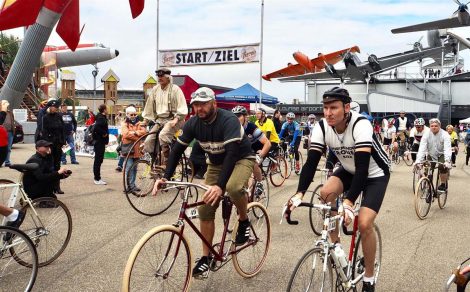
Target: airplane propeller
point(462, 7)
point(417, 45)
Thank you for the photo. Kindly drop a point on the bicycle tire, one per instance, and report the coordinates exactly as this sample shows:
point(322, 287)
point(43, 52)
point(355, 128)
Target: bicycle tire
point(316, 215)
point(44, 230)
point(416, 177)
point(301, 163)
point(358, 259)
point(423, 193)
point(259, 242)
point(135, 271)
point(22, 250)
point(442, 196)
point(278, 176)
point(297, 281)
point(262, 198)
point(408, 159)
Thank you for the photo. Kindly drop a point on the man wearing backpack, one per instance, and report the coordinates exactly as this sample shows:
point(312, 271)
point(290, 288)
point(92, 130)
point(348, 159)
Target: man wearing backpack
point(101, 138)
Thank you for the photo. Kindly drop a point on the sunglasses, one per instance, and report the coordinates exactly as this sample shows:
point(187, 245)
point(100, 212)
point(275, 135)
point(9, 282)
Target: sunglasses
point(133, 115)
point(162, 73)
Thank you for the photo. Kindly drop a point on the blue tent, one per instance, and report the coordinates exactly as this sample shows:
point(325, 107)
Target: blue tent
point(246, 93)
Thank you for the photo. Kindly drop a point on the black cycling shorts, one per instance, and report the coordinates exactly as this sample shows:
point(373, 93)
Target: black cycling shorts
point(374, 189)
point(387, 141)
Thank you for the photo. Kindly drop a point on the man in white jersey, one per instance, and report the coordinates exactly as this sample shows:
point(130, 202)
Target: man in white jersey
point(365, 168)
point(403, 126)
point(390, 136)
point(416, 134)
point(436, 144)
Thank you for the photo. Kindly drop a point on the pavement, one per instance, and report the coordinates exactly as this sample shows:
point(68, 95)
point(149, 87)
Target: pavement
point(418, 255)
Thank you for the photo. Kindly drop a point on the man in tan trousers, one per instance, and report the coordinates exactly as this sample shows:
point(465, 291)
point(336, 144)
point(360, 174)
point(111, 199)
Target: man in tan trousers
point(166, 105)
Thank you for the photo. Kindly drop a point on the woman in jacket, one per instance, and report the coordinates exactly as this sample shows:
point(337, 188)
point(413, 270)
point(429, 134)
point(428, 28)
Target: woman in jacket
point(131, 131)
point(454, 143)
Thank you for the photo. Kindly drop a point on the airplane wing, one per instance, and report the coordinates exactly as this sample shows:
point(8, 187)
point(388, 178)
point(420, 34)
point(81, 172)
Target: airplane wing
point(317, 64)
point(438, 24)
point(317, 76)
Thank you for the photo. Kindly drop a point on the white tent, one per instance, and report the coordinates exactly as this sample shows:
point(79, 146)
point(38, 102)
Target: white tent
point(465, 121)
point(255, 106)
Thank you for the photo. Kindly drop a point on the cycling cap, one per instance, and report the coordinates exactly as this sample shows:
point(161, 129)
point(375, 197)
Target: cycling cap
point(336, 93)
point(290, 116)
point(203, 94)
point(163, 72)
point(419, 122)
point(435, 120)
point(239, 110)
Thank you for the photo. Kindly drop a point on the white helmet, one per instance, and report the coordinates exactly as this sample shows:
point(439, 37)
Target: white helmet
point(290, 115)
point(419, 122)
point(311, 116)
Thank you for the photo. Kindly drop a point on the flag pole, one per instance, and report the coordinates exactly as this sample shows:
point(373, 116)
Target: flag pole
point(158, 30)
point(261, 57)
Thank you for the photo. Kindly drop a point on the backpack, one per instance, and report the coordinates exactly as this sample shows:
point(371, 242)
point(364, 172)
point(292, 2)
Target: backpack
point(89, 140)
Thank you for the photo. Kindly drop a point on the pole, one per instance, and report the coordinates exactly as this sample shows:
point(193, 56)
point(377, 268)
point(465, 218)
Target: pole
point(158, 29)
point(261, 56)
point(94, 73)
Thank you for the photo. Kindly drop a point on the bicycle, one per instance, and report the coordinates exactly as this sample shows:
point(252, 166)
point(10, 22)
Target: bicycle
point(259, 192)
point(316, 215)
point(314, 270)
point(426, 193)
point(274, 166)
point(18, 260)
point(47, 220)
point(403, 153)
point(460, 276)
point(172, 269)
point(290, 158)
point(147, 170)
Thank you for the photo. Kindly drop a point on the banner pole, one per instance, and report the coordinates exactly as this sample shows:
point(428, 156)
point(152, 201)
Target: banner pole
point(158, 30)
point(261, 56)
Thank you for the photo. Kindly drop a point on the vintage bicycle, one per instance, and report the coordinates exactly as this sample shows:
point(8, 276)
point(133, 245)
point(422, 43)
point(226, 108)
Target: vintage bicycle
point(274, 166)
point(169, 267)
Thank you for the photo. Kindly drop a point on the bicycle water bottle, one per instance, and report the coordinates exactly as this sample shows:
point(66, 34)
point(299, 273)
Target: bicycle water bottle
point(341, 256)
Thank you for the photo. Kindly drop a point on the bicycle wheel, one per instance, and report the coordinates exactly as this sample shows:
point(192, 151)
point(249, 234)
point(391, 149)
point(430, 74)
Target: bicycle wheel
point(442, 196)
point(301, 163)
point(423, 197)
point(316, 215)
point(358, 261)
point(407, 158)
point(250, 257)
point(5, 192)
point(18, 260)
point(142, 200)
point(308, 274)
point(278, 171)
point(290, 164)
point(260, 192)
point(396, 158)
point(416, 177)
point(160, 261)
point(50, 229)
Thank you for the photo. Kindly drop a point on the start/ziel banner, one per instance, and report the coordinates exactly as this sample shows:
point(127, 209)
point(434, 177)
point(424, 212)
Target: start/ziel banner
point(210, 56)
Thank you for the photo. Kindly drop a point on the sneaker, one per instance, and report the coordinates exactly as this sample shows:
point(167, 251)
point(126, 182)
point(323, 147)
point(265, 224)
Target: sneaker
point(202, 266)
point(75, 162)
point(14, 224)
point(259, 189)
point(368, 287)
point(118, 169)
point(134, 189)
point(243, 232)
point(442, 187)
point(59, 191)
point(63, 162)
point(100, 182)
point(453, 165)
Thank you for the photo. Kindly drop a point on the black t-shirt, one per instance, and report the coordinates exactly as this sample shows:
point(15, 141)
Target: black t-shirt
point(254, 135)
point(214, 136)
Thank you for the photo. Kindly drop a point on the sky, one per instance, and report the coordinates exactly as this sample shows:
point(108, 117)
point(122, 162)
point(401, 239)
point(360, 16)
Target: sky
point(309, 26)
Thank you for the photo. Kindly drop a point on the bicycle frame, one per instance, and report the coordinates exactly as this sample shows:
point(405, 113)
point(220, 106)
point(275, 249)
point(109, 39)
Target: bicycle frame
point(18, 188)
point(220, 255)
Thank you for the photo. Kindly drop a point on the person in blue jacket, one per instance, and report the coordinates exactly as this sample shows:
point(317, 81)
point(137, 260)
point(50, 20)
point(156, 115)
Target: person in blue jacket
point(291, 130)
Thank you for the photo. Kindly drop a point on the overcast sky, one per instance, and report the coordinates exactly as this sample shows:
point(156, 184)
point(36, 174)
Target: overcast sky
point(310, 26)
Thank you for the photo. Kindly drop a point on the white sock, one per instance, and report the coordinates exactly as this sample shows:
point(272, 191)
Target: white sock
point(368, 279)
point(13, 216)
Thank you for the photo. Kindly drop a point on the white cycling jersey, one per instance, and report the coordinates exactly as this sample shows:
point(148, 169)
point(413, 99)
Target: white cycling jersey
point(418, 135)
point(402, 123)
point(358, 133)
point(388, 133)
point(435, 145)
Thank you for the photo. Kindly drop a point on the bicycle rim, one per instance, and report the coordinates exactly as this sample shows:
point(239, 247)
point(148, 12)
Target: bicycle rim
point(252, 255)
point(279, 174)
point(316, 215)
point(423, 197)
point(358, 260)
point(308, 274)
point(50, 230)
point(18, 261)
point(160, 261)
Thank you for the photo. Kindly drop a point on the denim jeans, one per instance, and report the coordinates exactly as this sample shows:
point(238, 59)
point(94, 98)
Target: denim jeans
point(131, 174)
point(69, 139)
point(10, 143)
point(121, 161)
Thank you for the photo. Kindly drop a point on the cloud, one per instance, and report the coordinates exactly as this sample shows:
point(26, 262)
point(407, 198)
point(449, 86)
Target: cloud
point(305, 25)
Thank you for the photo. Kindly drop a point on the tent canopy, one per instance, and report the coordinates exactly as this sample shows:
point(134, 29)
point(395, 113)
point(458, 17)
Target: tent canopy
point(246, 93)
point(465, 121)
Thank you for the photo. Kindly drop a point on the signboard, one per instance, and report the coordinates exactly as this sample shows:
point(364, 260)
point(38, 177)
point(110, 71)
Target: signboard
point(210, 56)
point(301, 108)
point(21, 115)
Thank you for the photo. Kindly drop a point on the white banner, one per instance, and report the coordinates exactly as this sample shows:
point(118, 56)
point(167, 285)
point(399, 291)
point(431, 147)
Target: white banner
point(210, 56)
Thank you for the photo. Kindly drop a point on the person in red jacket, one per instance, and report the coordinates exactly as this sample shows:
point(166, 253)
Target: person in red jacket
point(3, 136)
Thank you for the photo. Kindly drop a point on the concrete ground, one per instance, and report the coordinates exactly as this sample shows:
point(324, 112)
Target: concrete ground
point(418, 255)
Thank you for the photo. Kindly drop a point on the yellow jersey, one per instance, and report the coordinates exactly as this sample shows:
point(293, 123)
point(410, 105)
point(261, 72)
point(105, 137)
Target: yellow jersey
point(268, 126)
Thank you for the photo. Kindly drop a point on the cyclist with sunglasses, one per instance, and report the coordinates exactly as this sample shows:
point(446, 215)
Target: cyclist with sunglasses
point(293, 133)
point(416, 134)
point(267, 126)
point(165, 105)
point(364, 168)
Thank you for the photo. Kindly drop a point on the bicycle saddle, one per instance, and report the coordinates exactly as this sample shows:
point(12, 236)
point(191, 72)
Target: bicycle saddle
point(25, 167)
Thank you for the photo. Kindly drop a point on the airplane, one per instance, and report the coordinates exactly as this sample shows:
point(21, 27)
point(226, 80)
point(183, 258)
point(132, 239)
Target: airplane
point(307, 65)
point(85, 54)
point(357, 70)
point(460, 17)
